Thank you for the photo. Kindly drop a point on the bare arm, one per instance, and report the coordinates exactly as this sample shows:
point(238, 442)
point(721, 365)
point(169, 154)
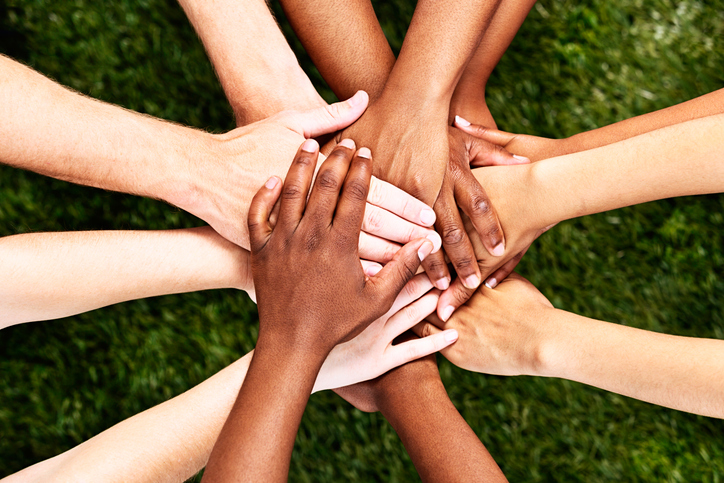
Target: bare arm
point(537, 148)
point(514, 330)
point(679, 160)
point(53, 275)
point(257, 68)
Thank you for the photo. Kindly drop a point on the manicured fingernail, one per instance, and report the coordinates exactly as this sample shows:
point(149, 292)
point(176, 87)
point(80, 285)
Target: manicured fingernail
point(522, 158)
point(310, 146)
point(442, 283)
point(435, 240)
point(461, 122)
point(347, 143)
point(491, 282)
point(364, 153)
point(451, 335)
point(356, 99)
point(427, 217)
point(471, 281)
point(373, 270)
point(424, 250)
point(447, 312)
point(499, 249)
point(272, 182)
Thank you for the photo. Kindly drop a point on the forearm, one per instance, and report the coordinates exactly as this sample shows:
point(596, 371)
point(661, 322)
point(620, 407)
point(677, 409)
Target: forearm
point(56, 132)
point(684, 159)
point(54, 275)
point(470, 90)
point(257, 439)
point(167, 443)
point(257, 69)
point(346, 43)
point(441, 444)
point(703, 106)
point(682, 373)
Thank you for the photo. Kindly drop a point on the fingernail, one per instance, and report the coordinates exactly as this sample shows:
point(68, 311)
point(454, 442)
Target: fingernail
point(471, 281)
point(461, 122)
point(424, 250)
point(347, 143)
point(491, 282)
point(356, 99)
point(499, 249)
point(442, 283)
point(272, 182)
point(451, 335)
point(427, 217)
point(435, 240)
point(522, 158)
point(309, 146)
point(447, 312)
point(373, 270)
point(364, 153)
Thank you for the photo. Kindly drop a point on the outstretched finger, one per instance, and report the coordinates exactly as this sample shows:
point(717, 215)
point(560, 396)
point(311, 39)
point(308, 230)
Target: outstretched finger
point(474, 201)
point(385, 224)
point(392, 278)
point(296, 185)
point(376, 249)
point(415, 349)
point(494, 136)
point(353, 199)
point(391, 198)
point(436, 268)
point(452, 298)
point(259, 211)
point(502, 273)
point(328, 184)
point(405, 318)
point(326, 119)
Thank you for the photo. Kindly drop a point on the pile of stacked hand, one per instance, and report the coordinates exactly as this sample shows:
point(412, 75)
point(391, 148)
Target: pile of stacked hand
point(364, 260)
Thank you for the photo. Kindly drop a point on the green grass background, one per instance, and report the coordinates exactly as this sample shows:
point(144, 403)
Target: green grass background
point(573, 66)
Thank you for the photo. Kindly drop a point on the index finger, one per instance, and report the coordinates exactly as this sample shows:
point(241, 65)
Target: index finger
point(399, 202)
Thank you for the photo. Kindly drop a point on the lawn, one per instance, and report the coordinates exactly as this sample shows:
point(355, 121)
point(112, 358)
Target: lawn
point(573, 66)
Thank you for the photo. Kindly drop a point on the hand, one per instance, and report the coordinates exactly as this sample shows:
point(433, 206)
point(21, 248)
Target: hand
point(502, 331)
point(372, 353)
point(308, 261)
point(533, 147)
point(518, 200)
point(369, 396)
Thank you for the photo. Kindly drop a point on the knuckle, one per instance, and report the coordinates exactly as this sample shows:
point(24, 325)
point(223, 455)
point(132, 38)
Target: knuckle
point(435, 266)
point(377, 193)
point(333, 110)
point(356, 191)
point(461, 296)
point(305, 159)
point(480, 206)
point(493, 231)
point(453, 235)
point(373, 220)
point(327, 181)
point(292, 191)
point(412, 352)
point(426, 330)
point(465, 264)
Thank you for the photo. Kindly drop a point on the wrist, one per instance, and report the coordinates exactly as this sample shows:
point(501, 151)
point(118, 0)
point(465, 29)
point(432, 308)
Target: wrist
point(553, 356)
point(395, 396)
point(304, 359)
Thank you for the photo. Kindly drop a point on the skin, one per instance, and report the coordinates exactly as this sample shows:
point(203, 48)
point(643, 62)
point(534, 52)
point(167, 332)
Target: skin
point(257, 68)
point(629, 172)
point(418, 152)
point(172, 441)
point(312, 243)
point(413, 399)
point(515, 330)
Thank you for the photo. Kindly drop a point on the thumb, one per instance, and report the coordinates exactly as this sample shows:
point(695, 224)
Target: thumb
point(501, 138)
point(327, 119)
point(483, 153)
point(397, 272)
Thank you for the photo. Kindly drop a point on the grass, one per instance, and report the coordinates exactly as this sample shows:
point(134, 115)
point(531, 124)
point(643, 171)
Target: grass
point(572, 67)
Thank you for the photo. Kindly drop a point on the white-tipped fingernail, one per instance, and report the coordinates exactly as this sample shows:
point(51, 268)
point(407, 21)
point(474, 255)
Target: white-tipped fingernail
point(499, 250)
point(435, 240)
point(373, 270)
point(461, 122)
point(471, 281)
point(442, 283)
point(424, 250)
point(427, 217)
point(364, 153)
point(310, 145)
point(446, 312)
point(451, 335)
point(347, 143)
point(522, 158)
point(491, 282)
point(272, 183)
